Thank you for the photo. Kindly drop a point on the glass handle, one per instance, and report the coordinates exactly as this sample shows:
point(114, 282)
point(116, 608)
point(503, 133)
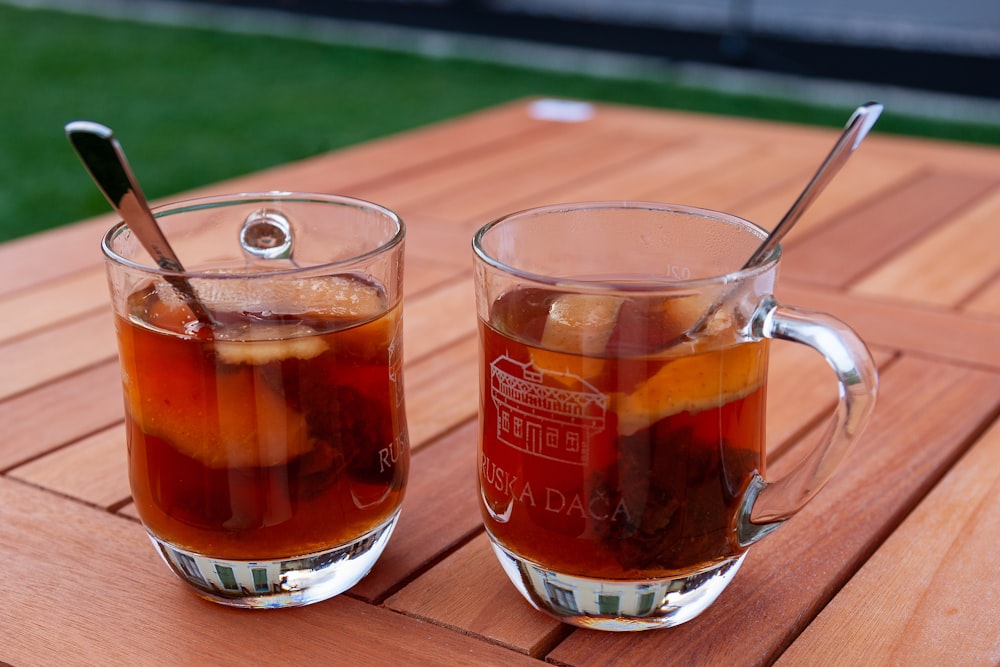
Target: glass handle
point(766, 505)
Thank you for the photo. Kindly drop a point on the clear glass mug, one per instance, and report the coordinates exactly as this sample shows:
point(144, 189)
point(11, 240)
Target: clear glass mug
point(621, 447)
point(267, 439)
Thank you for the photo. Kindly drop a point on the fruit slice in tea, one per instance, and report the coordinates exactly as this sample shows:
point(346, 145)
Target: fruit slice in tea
point(576, 334)
point(219, 396)
point(691, 384)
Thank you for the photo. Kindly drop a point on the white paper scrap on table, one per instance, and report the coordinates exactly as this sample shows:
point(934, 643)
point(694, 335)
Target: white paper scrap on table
point(562, 111)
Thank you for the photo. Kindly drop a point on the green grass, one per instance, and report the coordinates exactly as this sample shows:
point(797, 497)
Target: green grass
point(194, 106)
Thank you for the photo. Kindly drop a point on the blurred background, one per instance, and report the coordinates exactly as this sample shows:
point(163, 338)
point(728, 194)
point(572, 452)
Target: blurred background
point(949, 46)
point(202, 90)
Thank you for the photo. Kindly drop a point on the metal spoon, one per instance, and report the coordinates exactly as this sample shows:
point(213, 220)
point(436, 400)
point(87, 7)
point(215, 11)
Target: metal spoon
point(104, 158)
point(856, 129)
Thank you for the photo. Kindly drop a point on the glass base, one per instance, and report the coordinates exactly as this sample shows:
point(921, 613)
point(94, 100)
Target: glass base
point(279, 583)
point(617, 605)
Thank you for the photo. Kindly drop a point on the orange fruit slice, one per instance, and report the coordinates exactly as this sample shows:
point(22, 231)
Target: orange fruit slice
point(691, 384)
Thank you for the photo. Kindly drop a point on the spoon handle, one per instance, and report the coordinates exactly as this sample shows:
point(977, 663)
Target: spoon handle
point(856, 128)
point(104, 158)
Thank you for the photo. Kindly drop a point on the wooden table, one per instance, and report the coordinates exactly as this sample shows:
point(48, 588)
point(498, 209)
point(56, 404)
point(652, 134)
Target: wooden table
point(895, 562)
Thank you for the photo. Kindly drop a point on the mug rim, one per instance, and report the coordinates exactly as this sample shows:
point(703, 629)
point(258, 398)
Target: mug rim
point(610, 285)
point(234, 199)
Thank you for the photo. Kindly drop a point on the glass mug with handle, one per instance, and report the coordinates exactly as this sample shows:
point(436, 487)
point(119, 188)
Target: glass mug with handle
point(267, 438)
point(622, 440)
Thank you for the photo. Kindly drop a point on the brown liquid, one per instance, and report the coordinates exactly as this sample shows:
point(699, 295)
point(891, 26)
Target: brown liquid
point(620, 465)
point(263, 449)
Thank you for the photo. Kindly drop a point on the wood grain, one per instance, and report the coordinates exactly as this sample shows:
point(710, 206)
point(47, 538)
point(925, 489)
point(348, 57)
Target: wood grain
point(442, 391)
point(840, 254)
point(949, 543)
point(928, 414)
point(437, 241)
point(947, 266)
point(725, 187)
point(490, 194)
point(467, 591)
point(93, 470)
point(63, 299)
point(60, 412)
point(987, 301)
point(934, 332)
point(653, 178)
point(462, 170)
point(56, 352)
point(52, 255)
point(440, 511)
point(869, 175)
point(85, 572)
point(439, 318)
point(801, 392)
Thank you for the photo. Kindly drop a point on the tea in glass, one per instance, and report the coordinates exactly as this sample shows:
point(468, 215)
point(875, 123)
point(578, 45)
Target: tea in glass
point(623, 379)
point(267, 447)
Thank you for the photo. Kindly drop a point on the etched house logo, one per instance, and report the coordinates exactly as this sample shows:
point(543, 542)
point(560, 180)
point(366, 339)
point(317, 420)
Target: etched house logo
point(553, 422)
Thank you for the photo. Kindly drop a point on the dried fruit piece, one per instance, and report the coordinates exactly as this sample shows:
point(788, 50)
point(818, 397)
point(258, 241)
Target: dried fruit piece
point(576, 334)
point(252, 427)
point(692, 384)
point(264, 343)
point(341, 296)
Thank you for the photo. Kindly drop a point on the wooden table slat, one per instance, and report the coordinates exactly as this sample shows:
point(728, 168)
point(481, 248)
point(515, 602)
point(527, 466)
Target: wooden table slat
point(869, 175)
point(442, 391)
point(932, 331)
point(479, 201)
point(424, 331)
point(946, 266)
point(441, 513)
point(67, 555)
point(67, 298)
point(928, 414)
point(60, 412)
point(57, 352)
point(653, 178)
point(52, 255)
point(739, 181)
point(987, 301)
point(948, 543)
point(871, 234)
point(478, 589)
point(93, 470)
